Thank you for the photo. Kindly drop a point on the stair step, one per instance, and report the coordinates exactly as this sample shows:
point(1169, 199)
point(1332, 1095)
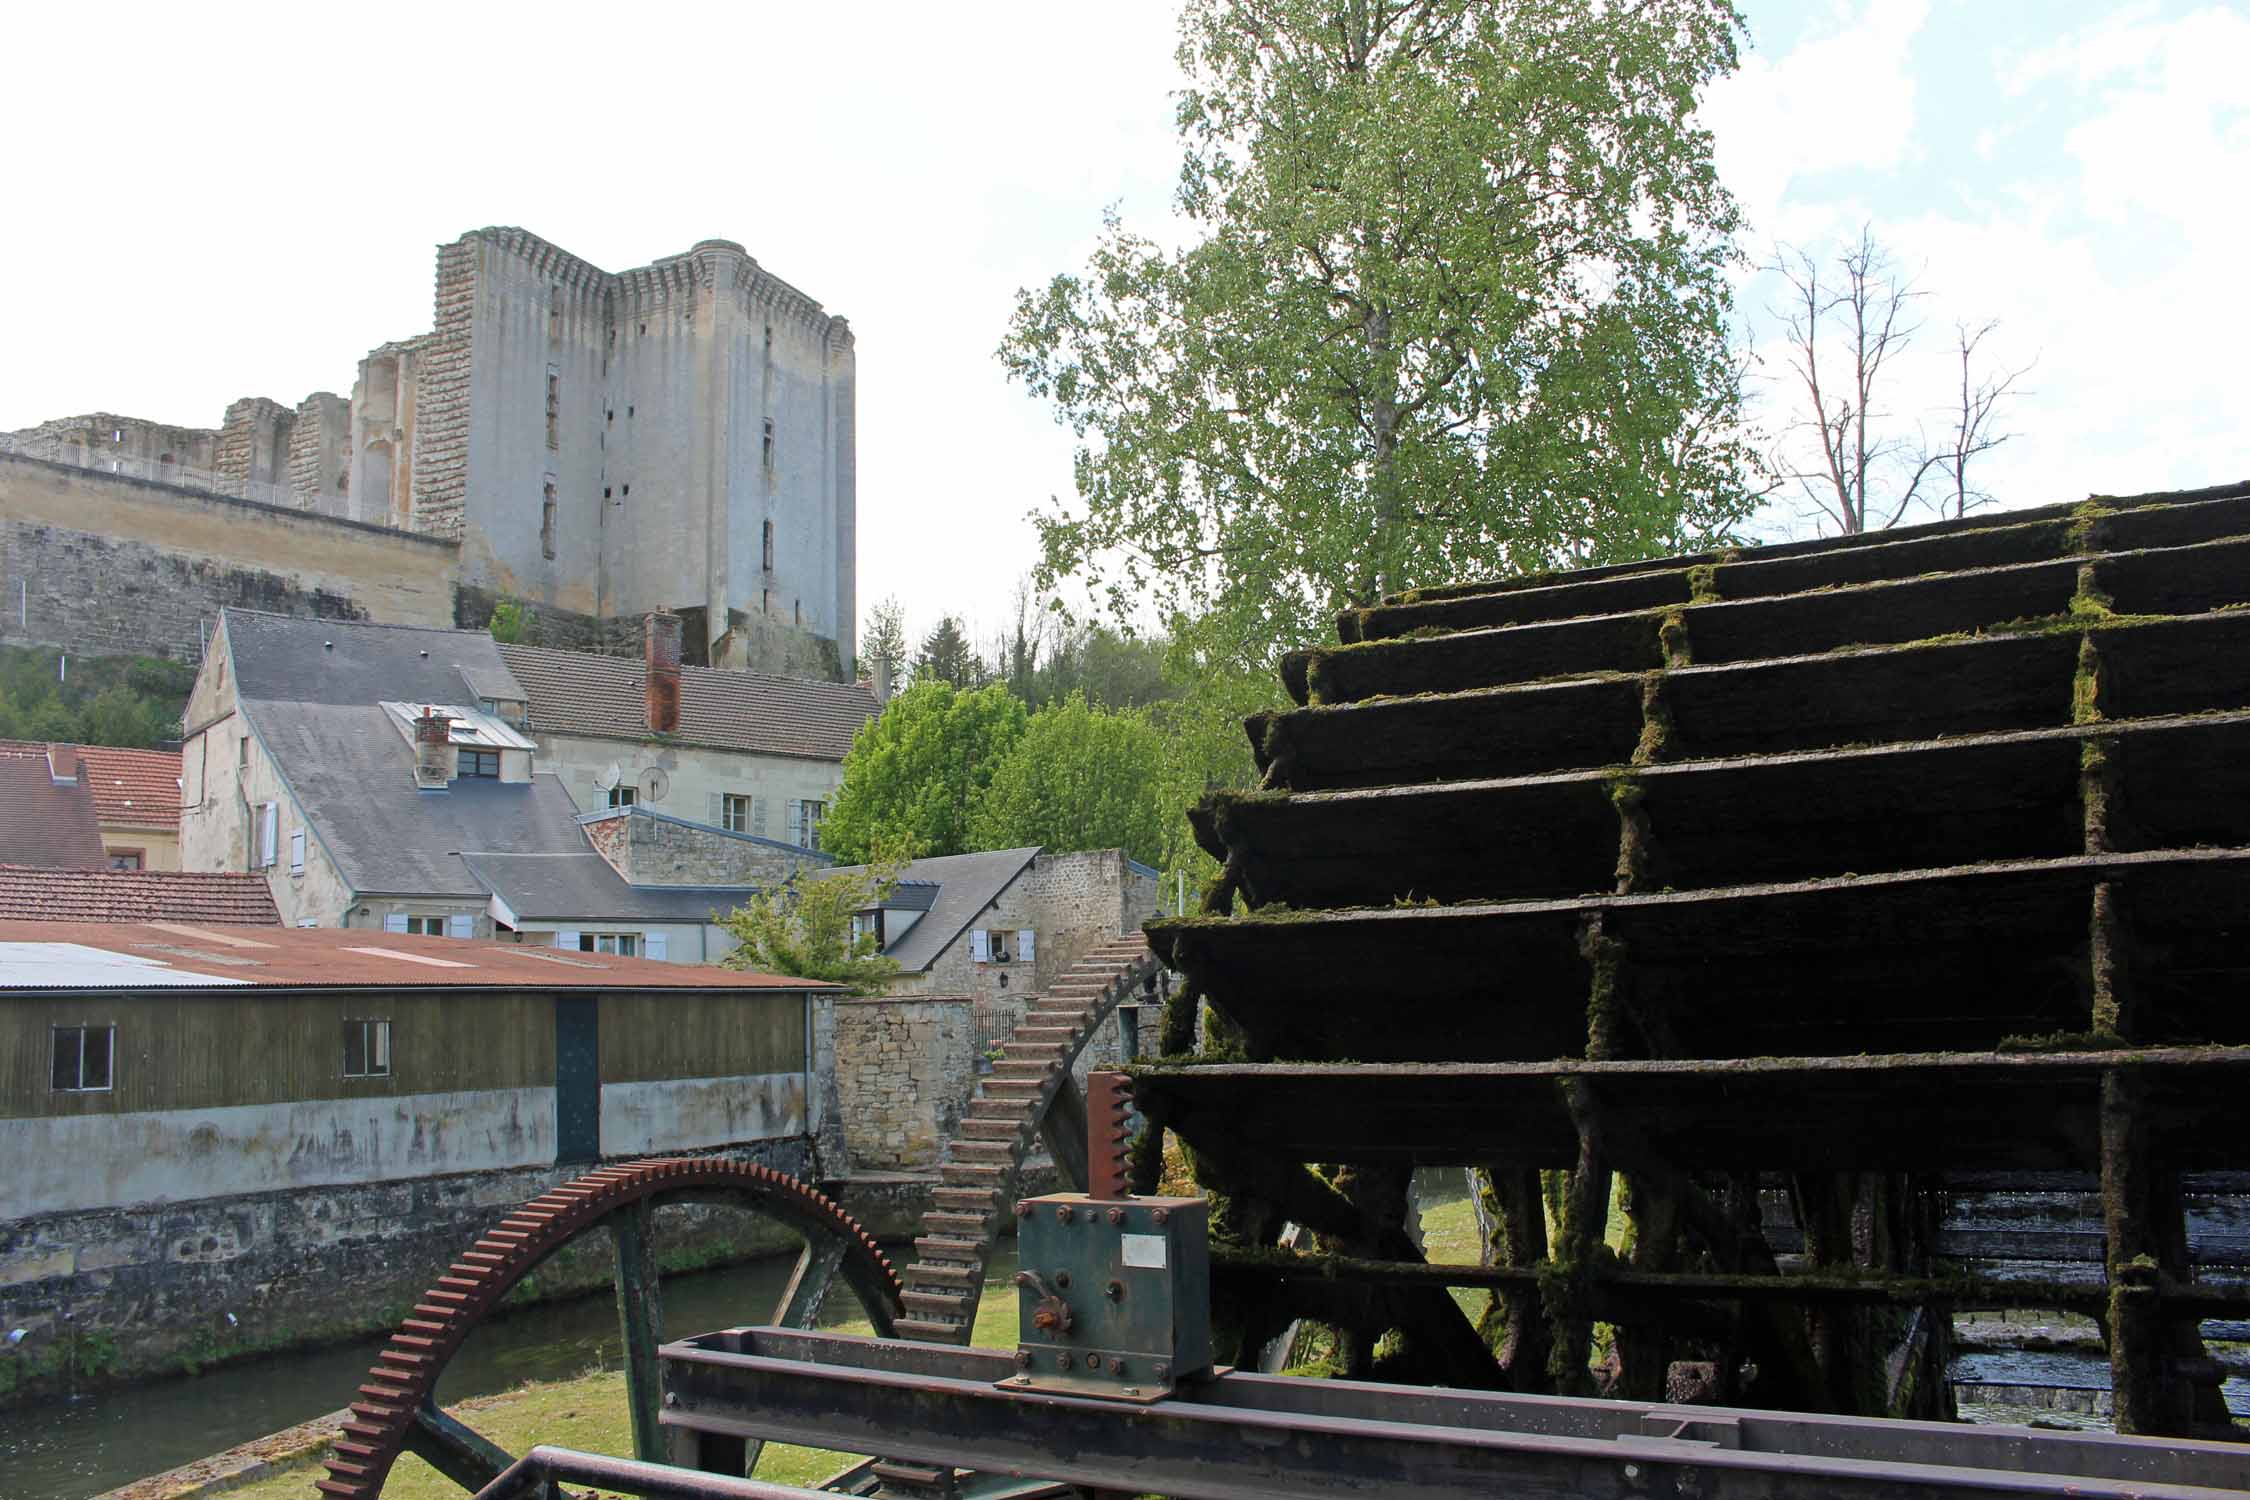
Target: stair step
point(977, 1174)
point(937, 1275)
point(1029, 1033)
point(970, 1225)
point(989, 1130)
point(1041, 1052)
point(968, 1148)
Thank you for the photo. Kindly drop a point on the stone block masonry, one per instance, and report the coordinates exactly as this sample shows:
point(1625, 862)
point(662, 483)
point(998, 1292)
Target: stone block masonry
point(131, 1292)
point(905, 1068)
point(104, 564)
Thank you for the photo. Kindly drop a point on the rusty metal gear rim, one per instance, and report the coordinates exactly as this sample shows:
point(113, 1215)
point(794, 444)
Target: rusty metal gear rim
point(406, 1372)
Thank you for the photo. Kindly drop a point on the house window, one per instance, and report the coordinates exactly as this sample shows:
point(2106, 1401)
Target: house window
point(426, 926)
point(623, 944)
point(547, 519)
point(554, 407)
point(734, 812)
point(809, 815)
point(269, 834)
point(242, 753)
point(769, 449)
point(82, 1058)
point(127, 859)
point(624, 796)
point(998, 945)
point(367, 1049)
point(769, 546)
point(480, 763)
point(868, 924)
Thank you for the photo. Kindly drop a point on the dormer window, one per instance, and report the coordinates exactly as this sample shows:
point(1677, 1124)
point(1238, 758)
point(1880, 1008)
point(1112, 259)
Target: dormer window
point(480, 763)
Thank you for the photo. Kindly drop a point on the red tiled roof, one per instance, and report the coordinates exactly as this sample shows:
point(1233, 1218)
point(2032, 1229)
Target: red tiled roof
point(576, 692)
point(326, 957)
point(132, 788)
point(44, 823)
point(134, 896)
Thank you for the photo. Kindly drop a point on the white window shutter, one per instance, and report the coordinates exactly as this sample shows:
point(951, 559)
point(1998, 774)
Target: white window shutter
point(567, 938)
point(394, 921)
point(461, 925)
point(793, 824)
point(296, 851)
point(653, 945)
point(758, 806)
point(980, 946)
point(718, 812)
point(1024, 940)
point(269, 827)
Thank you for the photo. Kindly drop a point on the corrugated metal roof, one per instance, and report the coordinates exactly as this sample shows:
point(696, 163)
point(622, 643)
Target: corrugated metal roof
point(45, 956)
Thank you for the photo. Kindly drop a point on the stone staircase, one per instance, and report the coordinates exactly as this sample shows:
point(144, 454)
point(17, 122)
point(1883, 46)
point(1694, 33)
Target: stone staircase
point(978, 1173)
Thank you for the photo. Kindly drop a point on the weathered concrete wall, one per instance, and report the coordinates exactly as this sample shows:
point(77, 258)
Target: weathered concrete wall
point(115, 565)
point(690, 1113)
point(148, 1290)
point(66, 1163)
point(904, 1068)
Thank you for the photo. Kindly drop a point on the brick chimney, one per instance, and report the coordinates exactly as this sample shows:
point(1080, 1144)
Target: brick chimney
point(433, 739)
point(661, 656)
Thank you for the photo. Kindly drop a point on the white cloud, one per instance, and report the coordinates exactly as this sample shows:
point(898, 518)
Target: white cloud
point(1843, 100)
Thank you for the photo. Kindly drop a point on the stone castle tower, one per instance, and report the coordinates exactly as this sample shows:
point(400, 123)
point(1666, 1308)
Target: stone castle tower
point(597, 444)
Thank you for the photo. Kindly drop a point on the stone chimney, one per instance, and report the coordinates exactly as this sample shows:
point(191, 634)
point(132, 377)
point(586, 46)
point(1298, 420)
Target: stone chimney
point(433, 740)
point(662, 659)
point(882, 680)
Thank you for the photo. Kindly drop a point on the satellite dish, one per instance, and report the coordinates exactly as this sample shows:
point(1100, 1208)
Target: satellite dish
point(654, 783)
point(607, 778)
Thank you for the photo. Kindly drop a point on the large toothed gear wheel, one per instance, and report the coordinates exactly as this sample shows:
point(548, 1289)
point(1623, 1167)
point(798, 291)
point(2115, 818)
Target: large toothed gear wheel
point(396, 1410)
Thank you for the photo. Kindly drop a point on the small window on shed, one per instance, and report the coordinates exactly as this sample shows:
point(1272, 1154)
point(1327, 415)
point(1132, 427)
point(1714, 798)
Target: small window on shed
point(367, 1049)
point(82, 1057)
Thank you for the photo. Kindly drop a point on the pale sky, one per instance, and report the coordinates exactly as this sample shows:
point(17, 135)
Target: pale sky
point(210, 203)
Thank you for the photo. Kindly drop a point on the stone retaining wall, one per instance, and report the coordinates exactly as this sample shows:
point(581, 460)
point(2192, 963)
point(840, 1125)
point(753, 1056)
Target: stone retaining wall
point(905, 1066)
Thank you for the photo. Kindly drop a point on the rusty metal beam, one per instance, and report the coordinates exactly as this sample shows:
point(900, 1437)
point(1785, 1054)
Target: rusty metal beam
point(1249, 1437)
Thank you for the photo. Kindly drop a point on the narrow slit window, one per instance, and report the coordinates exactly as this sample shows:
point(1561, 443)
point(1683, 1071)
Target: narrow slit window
point(768, 546)
point(769, 442)
point(547, 519)
point(554, 407)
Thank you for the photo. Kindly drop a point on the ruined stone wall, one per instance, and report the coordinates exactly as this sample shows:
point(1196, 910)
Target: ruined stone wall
point(254, 441)
point(547, 625)
point(108, 565)
point(320, 444)
point(148, 1290)
point(441, 397)
point(905, 1066)
point(102, 433)
point(648, 848)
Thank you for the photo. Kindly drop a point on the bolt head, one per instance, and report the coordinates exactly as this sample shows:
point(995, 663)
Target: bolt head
point(1023, 1361)
point(1062, 1361)
point(1116, 1367)
point(1023, 1208)
point(1163, 1371)
point(1093, 1361)
point(1117, 1216)
point(1063, 1215)
point(1023, 1278)
point(1160, 1215)
point(671, 1398)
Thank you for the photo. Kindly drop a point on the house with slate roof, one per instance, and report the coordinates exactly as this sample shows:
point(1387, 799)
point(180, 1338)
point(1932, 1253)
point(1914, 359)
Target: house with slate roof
point(747, 752)
point(386, 776)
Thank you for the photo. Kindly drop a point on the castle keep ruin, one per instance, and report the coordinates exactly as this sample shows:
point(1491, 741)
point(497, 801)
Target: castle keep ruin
point(597, 445)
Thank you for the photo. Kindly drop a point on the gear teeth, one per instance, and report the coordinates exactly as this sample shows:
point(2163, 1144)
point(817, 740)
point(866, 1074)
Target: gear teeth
point(407, 1369)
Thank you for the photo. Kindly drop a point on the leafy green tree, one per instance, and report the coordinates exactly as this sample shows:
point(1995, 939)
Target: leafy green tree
point(1080, 778)
point(132, 701)
point(948, 657)
point(116, 716)
point(508, 623)
point(916, 771)
point(1459, 305)
point(883, 638)
point(803, 928)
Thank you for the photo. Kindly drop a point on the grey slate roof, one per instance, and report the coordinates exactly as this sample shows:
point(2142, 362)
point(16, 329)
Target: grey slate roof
point(44, 823)
point(606, 697)
point(309, 689)
point(582, 886)
point(967, 884)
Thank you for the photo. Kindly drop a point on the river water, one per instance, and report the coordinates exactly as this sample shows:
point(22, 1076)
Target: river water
point(71, 1449)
